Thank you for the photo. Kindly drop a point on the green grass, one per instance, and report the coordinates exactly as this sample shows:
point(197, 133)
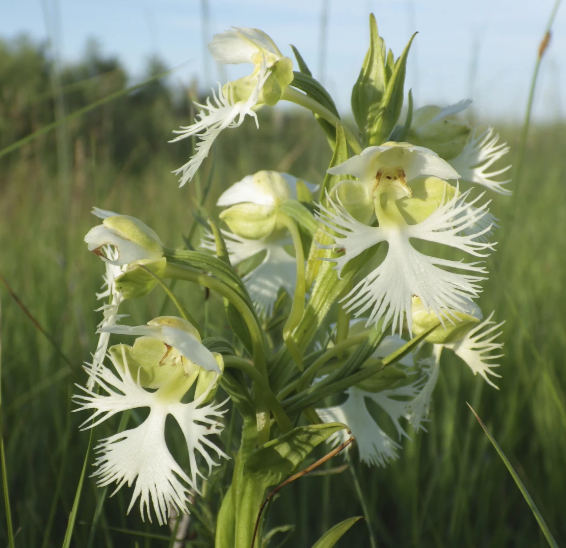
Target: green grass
point(449, 488)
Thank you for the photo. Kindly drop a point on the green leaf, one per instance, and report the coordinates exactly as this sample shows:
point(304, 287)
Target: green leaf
point(400, 133)
point(315, 90)
point(331, 537)
point(279, 458)
point(221, 251)
point(285, 529)
point(520, 485)
point(369, 89)
point(300, 214)
point(137, 282)
point(220, 345)
point(301, 62)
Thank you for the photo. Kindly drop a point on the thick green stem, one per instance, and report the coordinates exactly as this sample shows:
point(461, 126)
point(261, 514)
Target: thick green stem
point(278, 412)
point(298, 306)
point(260, 362)
point(294, 96)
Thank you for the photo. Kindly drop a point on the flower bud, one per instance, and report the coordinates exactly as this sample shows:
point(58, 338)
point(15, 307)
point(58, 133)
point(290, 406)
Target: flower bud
point(254, 202)
point(455, 327)
point(439, 130)
point(132, 239)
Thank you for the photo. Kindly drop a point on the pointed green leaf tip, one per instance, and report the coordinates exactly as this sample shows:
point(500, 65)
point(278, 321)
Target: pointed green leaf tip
point(377, 97)
point(331, 537)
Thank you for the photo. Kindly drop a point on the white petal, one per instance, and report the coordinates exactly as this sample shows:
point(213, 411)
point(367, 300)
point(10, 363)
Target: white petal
point(477, 346)
point(103, 213)
point(197, 423)
point(363, 166)
point(374, 445)
point(246, 190)
point(422, 161)
point(450, 110)
point(278, 270)
point(141, 455)
point(292, 182)
point(128, 251)
point(478, 155)
point(239, 45)
point(214, 117)
point(418, 408)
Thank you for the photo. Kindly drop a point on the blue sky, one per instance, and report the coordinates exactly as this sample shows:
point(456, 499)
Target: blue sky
point(501, 36)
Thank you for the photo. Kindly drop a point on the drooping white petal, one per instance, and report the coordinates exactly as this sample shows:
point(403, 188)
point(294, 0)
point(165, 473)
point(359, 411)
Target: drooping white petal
point(375, 446)
point(478, 155)
point(387, 291)
point(477, 346)
point(103, 213)
point(187, 345)
point(220, 113)
point(414, 160)
point(419, 407)
point(141, 455)
point(239, 45)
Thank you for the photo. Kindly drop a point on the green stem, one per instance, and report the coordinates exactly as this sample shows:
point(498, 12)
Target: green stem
point(298, 306)
point(294, 96)
point(523, 142)
point(365, 510)
point(260, 361)
point(278, 412)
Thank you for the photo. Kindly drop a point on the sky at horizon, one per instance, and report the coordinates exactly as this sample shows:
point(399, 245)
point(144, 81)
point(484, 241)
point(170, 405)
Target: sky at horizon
point(482, 49)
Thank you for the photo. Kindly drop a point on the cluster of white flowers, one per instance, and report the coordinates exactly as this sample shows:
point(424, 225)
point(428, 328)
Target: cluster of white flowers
point(397, 194)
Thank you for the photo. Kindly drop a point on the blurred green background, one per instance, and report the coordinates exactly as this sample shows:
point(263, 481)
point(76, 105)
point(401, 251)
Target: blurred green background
point(449, 488)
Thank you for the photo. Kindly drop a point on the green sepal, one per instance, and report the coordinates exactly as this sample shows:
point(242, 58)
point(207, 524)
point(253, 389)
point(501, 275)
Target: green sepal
point(369, 89)
point(275, 461)
point(303, 192)
point(380, 127)
point(146, 359)
point(281, 76)
point(137, 282)
point(208, 381)
point(332, 536)
point(252, 221)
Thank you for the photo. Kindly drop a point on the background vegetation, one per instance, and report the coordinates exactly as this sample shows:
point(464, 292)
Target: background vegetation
point(449, 488)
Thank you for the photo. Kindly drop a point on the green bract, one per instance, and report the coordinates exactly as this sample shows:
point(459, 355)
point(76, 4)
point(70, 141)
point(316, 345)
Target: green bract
point(377, 97)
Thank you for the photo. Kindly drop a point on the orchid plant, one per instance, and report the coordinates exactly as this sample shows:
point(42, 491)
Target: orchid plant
point(332, 302)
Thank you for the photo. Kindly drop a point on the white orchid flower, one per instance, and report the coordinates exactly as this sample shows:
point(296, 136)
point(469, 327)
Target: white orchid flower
point(141, 454)
point(479, 154)
point(233, 102)
point(388, 290)
point(175, 333)
point(476, 348)
point(132, 239)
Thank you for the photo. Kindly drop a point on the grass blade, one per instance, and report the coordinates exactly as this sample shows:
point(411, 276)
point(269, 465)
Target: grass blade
point(520, 485)
point(3, 455)
point(73, 516)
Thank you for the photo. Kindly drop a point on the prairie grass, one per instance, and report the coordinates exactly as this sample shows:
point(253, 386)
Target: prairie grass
point(449, 488)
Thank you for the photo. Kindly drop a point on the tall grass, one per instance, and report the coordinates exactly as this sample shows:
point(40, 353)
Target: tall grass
point(449, 488)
